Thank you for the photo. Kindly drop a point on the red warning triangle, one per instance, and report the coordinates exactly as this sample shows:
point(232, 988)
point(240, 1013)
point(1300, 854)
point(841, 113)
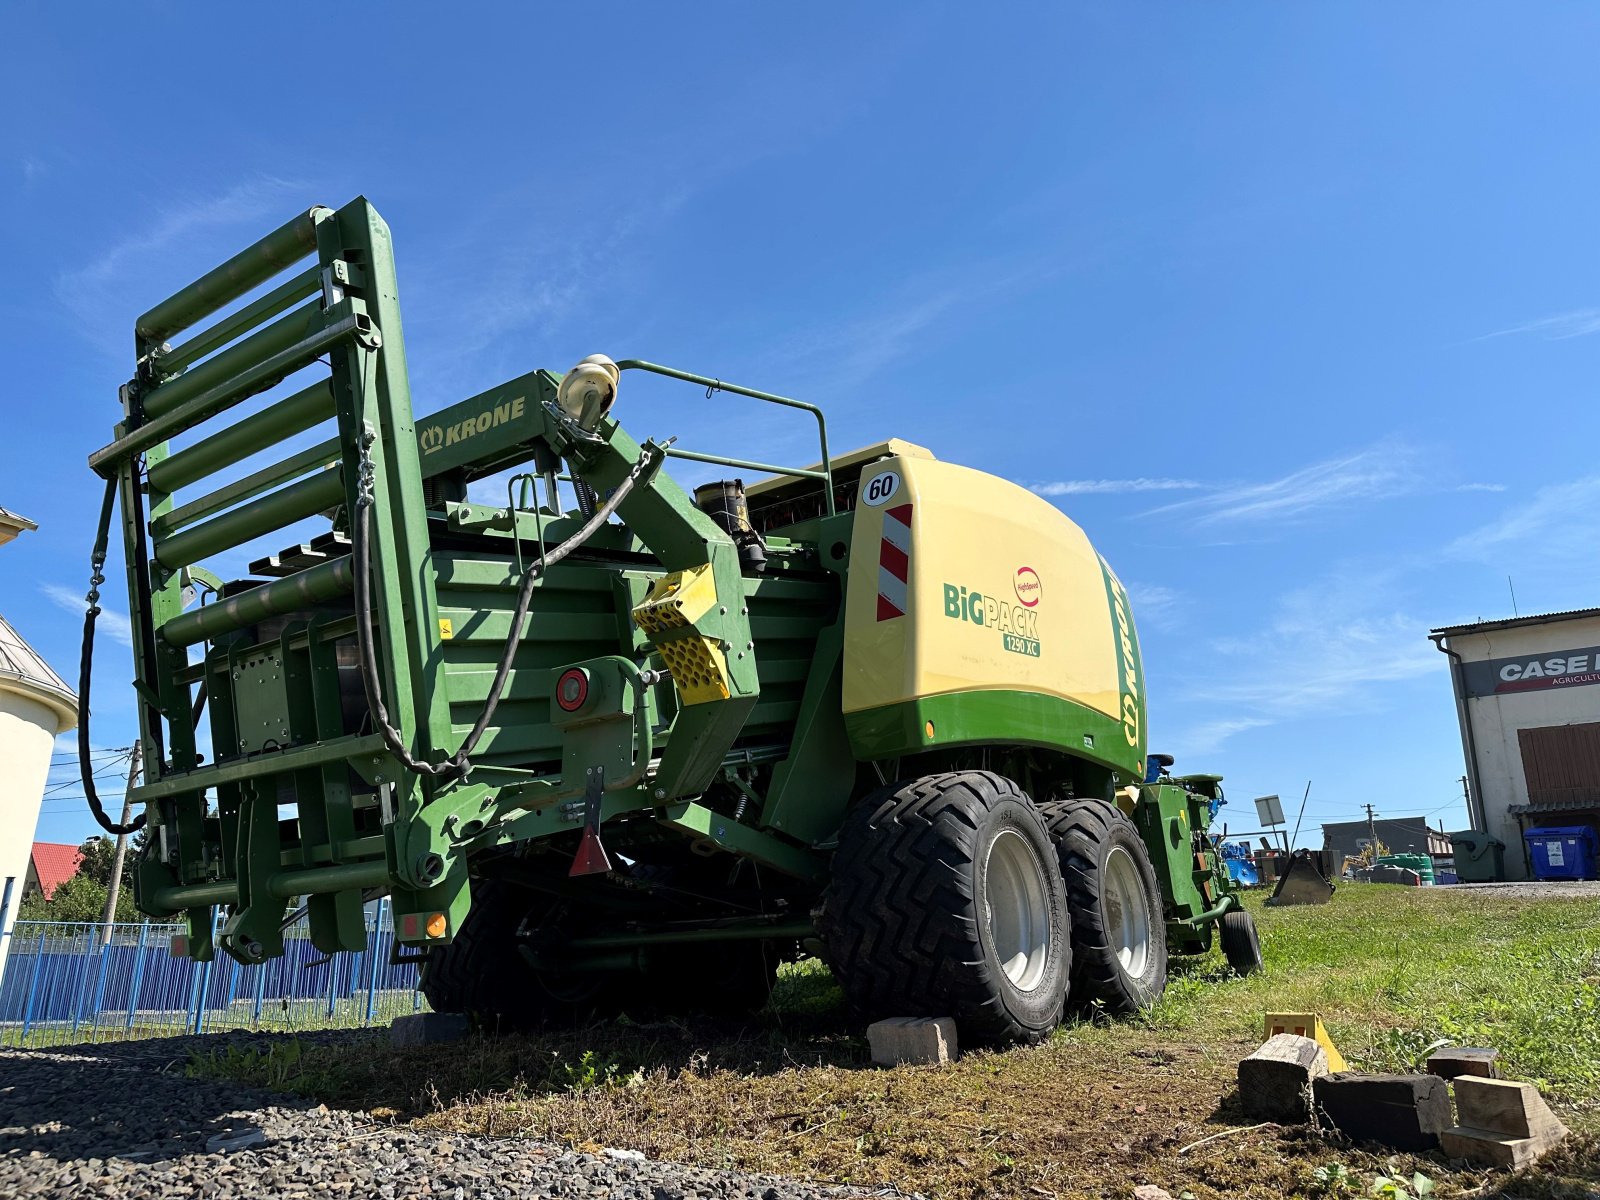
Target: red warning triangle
point(591, 858)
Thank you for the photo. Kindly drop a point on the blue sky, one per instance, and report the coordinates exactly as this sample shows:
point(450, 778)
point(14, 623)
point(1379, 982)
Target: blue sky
point(1292, 307)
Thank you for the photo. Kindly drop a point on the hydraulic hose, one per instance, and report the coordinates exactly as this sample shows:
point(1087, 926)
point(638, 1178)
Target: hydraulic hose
point(459, 765)
point(86, 667)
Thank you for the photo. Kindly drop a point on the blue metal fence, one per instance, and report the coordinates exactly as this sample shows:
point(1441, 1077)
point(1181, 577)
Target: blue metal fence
point(66, 983)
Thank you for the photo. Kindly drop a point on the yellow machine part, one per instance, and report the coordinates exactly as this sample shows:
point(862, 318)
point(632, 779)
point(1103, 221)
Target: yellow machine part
point(668, 614)
point(963, 583)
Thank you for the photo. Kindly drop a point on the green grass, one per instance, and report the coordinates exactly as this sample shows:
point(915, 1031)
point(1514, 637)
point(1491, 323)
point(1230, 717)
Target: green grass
point(1101, 1106)
point(1392, 970)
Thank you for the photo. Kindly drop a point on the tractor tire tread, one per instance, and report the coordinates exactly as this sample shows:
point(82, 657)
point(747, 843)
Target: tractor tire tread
point(899, 918)
point(1078, 827)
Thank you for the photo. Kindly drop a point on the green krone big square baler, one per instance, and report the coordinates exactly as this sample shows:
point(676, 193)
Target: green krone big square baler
point(607, 744)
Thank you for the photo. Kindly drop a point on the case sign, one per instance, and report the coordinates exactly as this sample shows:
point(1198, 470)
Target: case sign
point(1532, 673)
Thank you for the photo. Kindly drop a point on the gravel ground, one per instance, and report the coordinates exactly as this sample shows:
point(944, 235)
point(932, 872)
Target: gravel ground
point(123, 1120)
point(1586, 890)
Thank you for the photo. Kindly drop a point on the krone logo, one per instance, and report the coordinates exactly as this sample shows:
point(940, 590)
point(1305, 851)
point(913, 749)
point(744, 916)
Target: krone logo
point(1026, 582)
point(431, 439)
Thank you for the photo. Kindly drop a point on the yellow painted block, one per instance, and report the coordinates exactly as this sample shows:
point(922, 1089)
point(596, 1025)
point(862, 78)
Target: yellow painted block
point(1306, 1025)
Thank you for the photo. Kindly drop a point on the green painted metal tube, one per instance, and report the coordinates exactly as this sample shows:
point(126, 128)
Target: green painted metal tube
point(253, 484)
point(307, 283)
point(289, 416)
point(717, 385)
point(285, 506)
point(283, 885)
point(745, 464)
point(1225, 906)
point(245, 270)
point(262, 344)
point(257, 378)
point(346, 749)
point(325, 581)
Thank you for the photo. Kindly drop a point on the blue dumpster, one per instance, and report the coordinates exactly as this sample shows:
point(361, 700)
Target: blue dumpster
point(1563, 852)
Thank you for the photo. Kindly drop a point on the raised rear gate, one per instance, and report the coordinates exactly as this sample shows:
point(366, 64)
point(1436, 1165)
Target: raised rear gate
point(270, 461)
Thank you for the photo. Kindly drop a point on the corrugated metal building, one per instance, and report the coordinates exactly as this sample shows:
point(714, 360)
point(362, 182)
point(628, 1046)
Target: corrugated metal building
point(1530, 722)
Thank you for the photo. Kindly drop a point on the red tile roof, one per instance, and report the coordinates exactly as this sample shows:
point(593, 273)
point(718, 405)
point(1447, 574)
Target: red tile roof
point(54, 863)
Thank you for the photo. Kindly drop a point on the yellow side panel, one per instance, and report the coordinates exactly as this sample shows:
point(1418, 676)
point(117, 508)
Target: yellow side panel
point(999, 591)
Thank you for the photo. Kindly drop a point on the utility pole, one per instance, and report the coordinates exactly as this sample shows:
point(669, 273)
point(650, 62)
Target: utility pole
point(1466, 798)
point(114, 886)
point(1372, 832)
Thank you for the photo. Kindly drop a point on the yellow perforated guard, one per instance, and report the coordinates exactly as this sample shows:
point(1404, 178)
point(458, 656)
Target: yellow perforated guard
point(668, 614)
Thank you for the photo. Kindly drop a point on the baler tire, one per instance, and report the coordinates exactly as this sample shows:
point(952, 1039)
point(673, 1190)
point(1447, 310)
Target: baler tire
point(1241, 945)
point(483, 974)
point(924, 867)
point(1098, 846)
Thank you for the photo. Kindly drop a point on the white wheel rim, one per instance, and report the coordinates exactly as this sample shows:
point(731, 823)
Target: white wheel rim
point(1127, 912)
point(1018, 914)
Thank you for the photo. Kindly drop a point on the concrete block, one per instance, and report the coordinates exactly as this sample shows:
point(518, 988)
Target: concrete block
point(1404, 1112)
point(1454, 1061)
point(427, 1029)
point(1275, 1081)
point(913, 1040)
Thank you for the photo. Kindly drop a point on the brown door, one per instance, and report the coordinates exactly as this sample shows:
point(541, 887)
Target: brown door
point(1562, 764)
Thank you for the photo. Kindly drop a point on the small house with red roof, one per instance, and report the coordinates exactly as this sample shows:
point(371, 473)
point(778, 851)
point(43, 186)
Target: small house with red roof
point(49, 866)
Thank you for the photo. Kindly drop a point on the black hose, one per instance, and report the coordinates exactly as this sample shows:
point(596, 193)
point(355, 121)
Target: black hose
point(458, 766)
point(86, 666)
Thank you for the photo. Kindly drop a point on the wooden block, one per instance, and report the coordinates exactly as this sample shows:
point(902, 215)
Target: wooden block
point(912, 1040)
point(1404, 1112)
point(1306, 1025)
point(1491, 1150)
point(1514, 1110)
point(1275, 1081)
point(1454, 1061)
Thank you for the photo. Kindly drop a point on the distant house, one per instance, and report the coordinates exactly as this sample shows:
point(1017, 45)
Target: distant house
point(1400, 835)
point(49, 866)
point(36, 706)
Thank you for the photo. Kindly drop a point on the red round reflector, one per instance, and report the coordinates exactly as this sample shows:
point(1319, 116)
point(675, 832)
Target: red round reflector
point(572, 689)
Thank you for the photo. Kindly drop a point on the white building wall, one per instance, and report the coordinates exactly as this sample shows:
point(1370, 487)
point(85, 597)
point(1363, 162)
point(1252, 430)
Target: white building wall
point(27, 738)
point(1496, 719)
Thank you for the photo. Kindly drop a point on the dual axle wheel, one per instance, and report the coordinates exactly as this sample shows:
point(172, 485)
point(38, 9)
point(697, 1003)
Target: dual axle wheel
point(955, 895)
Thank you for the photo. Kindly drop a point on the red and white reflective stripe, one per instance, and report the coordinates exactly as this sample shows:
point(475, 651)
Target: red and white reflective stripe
point(894, 562)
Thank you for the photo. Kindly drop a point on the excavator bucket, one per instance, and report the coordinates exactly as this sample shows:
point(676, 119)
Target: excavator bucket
point(1302, 882)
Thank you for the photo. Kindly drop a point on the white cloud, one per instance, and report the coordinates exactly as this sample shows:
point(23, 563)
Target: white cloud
point(1579, 322)
point(1155, 605)
point(1208, 736)
point(1561, 521)
point(1379, 472)
point(113, 624)
point(106, 293)
point(1088, 487)
point(1323, 648)
point(1480, 487)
